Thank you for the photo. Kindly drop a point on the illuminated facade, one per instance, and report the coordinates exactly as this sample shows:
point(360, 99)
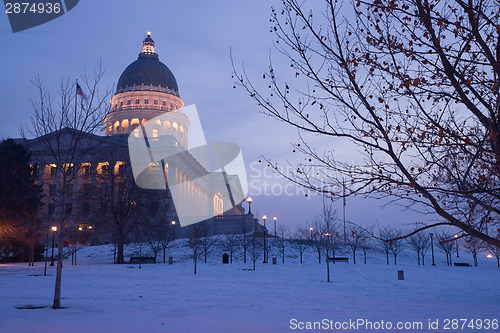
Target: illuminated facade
point(146, 89)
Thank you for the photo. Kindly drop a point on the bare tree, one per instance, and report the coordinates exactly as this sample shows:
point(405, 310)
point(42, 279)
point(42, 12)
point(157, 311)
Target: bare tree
point(474, 246)
point(355, 238)
point(195, 243)
point(230, 243)
point(255, 248)
point(445, 244)
point(396, 244)
point(300, 241)
point(384, 235)
point(282, 239)
point(77, 239)
point(64, 138)
point(419, 243)
point(413, 86)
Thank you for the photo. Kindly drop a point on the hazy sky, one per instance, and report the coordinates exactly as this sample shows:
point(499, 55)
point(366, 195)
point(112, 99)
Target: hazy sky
point(194, 39)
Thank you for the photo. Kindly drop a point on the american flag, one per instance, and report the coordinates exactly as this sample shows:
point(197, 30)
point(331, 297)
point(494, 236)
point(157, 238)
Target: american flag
point(79, 91)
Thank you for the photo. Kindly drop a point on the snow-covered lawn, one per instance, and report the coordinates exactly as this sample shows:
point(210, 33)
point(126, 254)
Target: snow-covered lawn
point(101, 297)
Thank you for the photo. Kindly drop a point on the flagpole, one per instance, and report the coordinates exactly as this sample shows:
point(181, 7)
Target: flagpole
point(343, 206)
point(76, 102)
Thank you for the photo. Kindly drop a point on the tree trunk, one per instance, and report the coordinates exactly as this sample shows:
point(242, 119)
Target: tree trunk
point(387, 257)
point(418, 258)
point(164, 254)
point(354, 256)
point(244, 255)
point(301, 257)
point(319, 256)
point(195, 265)
point(231, 260)
point(395, 262)
point(57, 290)
point(254, 264)
point(119, 246)
point(283, 254)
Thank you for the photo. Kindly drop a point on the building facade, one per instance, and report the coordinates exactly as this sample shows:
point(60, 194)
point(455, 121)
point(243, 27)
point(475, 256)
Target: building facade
point(98, 177)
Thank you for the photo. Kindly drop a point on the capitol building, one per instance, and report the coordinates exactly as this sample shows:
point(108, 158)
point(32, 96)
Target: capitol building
point(146, 103)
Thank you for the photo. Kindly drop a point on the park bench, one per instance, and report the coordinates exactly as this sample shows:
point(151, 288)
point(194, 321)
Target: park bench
point(462, 264)
point(142, 260)
point(339, 259)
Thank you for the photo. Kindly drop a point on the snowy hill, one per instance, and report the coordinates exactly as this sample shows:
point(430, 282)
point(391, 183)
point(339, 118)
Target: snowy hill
point(99, 296)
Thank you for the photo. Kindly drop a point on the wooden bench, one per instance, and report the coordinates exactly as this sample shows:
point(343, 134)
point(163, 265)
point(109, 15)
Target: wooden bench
point(462, 264)
point(339, 259)
point(142, 260)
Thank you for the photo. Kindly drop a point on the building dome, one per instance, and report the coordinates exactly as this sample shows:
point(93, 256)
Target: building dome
point(147, 70)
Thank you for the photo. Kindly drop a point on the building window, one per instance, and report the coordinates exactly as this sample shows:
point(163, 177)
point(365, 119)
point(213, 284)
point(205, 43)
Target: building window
point(146, 101)
point(155, 102)
point(121, 103)
point(52, 170)
point(136, 101)
point(103, 168)
point(52, 191)
point(164, 103)
point(34, 171)
point(121, 170)
point(136, 132)
point(52, 209)
point(86, 169)
point(155, 133)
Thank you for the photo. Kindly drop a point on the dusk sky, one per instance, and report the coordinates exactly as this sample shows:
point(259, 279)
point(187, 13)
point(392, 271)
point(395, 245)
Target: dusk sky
point(194, 39)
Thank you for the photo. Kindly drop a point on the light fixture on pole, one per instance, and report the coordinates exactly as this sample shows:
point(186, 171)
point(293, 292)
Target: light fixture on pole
point(432, 248)
point(249, 200)
point(275, 218)
point(173, 229)
point(54, 229)
point(264, 218)
point(456, 243)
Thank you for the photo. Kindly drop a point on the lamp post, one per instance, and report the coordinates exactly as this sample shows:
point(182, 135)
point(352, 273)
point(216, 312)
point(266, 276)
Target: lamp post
point(456, 243)
point(54, 229)
point(275, 218)
point(249, 200)
point(311, 230)
point(173, 230)
point(327, 257)
point(432, 249)
point(264, 218)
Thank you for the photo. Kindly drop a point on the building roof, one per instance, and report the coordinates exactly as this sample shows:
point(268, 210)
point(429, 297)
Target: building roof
point(147, 70)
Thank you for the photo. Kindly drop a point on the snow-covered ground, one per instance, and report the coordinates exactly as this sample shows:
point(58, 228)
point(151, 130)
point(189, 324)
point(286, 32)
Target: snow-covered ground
point(99, 296)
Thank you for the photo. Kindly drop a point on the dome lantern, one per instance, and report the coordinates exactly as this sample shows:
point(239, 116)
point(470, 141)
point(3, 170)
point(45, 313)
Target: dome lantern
point(148, 45)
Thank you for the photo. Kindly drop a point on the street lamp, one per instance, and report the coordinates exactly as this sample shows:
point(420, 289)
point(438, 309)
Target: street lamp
point(264, 218)
point(432, 249)
point(249, 200)
point(456, 243)
point(327, 257)
point(311, 230)
point(275, 218)
point(173, 229)
point(54, 229)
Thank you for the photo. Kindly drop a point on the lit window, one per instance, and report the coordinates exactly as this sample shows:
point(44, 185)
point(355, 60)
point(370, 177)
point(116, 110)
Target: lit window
point(155, 133)
point(136, 132)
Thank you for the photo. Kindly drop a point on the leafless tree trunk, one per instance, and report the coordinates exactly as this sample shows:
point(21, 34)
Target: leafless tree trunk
point(64, 130)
